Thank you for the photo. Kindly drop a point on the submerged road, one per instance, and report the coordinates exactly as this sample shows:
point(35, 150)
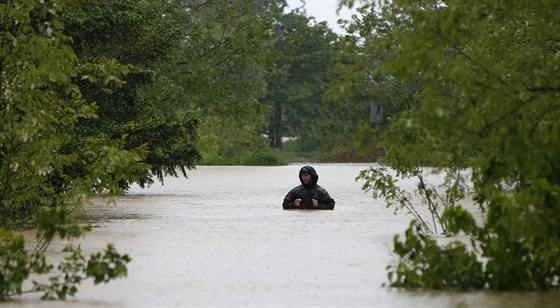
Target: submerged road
point(221, 238)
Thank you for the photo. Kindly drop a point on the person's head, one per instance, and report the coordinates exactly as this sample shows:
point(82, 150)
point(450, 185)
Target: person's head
point(308, 176)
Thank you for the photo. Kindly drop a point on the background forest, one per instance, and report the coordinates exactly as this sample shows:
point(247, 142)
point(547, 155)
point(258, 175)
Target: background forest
point(221, 82)
point(98, 95)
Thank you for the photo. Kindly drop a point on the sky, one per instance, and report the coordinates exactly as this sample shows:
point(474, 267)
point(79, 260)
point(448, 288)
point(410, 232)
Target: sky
point(323, 10)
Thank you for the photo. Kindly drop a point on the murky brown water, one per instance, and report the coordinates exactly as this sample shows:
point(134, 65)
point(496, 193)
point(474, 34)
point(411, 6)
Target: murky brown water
point(221, 238)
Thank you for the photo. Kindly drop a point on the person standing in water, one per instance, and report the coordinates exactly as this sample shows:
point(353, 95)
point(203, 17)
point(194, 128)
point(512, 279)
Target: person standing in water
point(308, 195)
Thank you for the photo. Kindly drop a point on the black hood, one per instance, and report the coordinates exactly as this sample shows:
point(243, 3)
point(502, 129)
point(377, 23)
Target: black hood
point(314, 176)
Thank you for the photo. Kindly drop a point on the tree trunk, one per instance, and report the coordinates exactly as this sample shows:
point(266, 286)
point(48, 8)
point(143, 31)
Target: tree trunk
point(275, 131)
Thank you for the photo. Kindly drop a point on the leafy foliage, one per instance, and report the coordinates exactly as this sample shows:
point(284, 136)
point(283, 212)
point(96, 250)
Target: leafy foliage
point(47, 168)
point(296, 87)
point(488, 102)
point(359, 82)
point(144, 35)
point(423, 263)
point(383, 184)
point(218, 69)
point(18, 263)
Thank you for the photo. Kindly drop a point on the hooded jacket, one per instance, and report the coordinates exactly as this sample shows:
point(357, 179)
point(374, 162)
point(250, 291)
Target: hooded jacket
point(307, 192)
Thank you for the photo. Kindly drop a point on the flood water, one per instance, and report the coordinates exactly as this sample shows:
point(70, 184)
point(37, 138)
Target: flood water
point(221, 238)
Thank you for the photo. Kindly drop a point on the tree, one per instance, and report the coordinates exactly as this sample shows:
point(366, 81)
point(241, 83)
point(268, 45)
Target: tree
point(221, 68)
point(296, 87)
point(488, 102)
point(358, 83)
point(40, 147)
point(144, 36)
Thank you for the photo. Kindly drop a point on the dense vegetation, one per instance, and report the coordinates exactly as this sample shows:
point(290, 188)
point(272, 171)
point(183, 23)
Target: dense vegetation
point(487, 103)
point(48, 165)
point(98, 95)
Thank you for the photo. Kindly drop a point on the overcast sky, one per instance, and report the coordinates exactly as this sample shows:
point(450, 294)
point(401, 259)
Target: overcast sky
point(323, 10)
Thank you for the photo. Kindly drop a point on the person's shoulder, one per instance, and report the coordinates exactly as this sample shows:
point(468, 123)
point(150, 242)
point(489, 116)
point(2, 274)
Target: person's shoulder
point(319, 188)
point(297, 188)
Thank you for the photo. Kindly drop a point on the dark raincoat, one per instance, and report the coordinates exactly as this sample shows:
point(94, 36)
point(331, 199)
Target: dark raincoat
point(308, 192)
